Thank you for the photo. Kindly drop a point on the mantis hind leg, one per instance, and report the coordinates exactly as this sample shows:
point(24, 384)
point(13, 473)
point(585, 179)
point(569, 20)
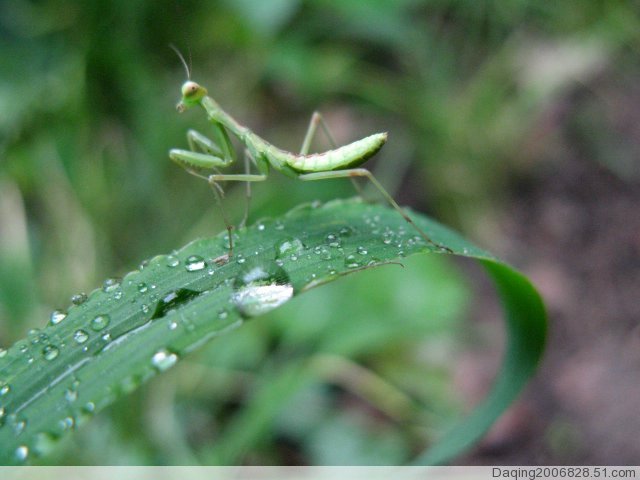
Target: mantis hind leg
point(363, 172)
point(318, 120)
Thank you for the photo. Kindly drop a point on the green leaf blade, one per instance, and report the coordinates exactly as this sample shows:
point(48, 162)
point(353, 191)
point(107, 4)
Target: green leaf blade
point(138, 327)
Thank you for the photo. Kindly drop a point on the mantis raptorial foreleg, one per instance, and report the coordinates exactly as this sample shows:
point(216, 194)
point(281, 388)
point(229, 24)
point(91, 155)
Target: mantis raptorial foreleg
point(363, 172)
point(204, 144)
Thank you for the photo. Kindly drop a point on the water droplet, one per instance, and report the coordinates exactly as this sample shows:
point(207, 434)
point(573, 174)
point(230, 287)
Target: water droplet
point(173, 300)
point(80, 336)
point(351, 261)
point(19, 426)
point(164, 359)
point(173, 325)
point(4, 389)
point(361, 250)
point(89, 407)
point(79, 298)
point(142, 287)
point(222, 314)
point(3, 412)
point(323, 251)
point(279, 225)
point(333, 240)
point(240, 259)
point(67, 423)
point(195, 263)
point(261, 288)
point(289, 247)
point(346, 231)
point(3, 352)
point(34, 336)
point(71, 395)
point(261, 227)
point(111, 284)
point(100, 322)
point(57, 316)
point(22, 452)
point(145, 308)
point(50, 352)
point(172, 261)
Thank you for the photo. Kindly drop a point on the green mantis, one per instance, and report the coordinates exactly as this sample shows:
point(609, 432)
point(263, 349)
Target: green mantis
point(211, 155)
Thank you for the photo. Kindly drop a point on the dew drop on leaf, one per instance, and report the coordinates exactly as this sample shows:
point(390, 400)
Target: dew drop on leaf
point(71, 395)
point(100, 322)
point(195, 263)
point(79, 298)
point(351, 261)
point(261, 288)
point(333, 240)
point(173, 300)
point(50, 352)
point(289, 246)
point(111, 284)
point(172, 261)
point(57, 316)
point(18, 426)
point(5, 388)
point(22, 453)
point(67, 423)
point(163, 360)
point(80, 336)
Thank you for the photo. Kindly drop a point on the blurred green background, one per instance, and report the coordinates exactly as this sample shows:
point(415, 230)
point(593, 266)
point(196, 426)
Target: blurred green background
point(489, 106)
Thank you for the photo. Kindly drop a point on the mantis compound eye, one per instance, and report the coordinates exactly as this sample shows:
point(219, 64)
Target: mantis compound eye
point(190, 88)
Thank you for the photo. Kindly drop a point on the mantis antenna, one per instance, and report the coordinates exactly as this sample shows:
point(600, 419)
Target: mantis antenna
point(187, 68)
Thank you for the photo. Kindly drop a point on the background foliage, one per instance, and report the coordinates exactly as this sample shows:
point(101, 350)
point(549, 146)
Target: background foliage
point(473, 94)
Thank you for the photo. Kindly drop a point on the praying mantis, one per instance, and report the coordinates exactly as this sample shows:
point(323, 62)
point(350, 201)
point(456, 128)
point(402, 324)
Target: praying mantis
point(211, 155)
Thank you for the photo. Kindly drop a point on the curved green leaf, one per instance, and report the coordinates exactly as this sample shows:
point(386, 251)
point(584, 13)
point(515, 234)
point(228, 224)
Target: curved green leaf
point(132, 329)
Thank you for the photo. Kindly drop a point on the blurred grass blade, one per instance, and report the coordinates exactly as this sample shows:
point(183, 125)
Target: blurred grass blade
point(121, 335)
point(526, 326)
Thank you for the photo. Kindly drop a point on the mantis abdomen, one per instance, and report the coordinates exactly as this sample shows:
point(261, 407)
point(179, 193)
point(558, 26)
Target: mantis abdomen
point(347, 156)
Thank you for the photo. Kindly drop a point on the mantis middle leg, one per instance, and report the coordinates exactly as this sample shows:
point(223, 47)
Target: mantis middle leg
point(217, 190)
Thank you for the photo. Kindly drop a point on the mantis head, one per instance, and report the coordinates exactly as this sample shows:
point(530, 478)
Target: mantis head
point(192, 93)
